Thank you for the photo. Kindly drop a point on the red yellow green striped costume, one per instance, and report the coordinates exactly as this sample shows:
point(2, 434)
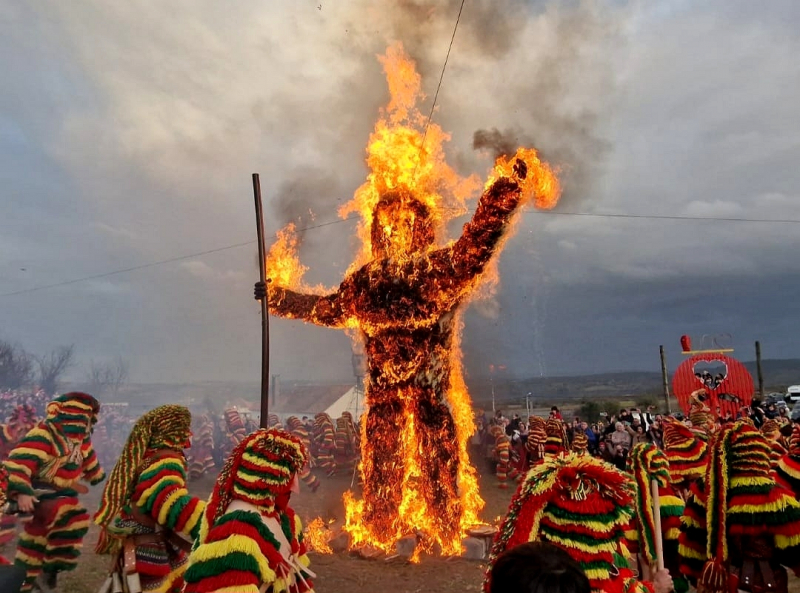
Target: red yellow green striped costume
point(582, 505)
point(346, 442)
point(325, 440)
point(686, 453)
point(787, 469)
point(739, 526)
point(537, 436)
point(557, 441)
point(298, 429)
point(502, 454)
point(647, 463)
point(21, 420)
point(250, 539)
point(49, 463)
point(200, 457)
point(146, 497)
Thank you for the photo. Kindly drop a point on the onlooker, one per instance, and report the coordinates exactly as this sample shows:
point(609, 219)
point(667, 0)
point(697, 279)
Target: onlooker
point(537, 567)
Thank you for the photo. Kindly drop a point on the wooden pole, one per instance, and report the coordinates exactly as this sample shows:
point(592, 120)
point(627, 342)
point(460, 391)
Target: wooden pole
point(659, 542)
point(264, 309)
point(760, 373)
point(665, 379)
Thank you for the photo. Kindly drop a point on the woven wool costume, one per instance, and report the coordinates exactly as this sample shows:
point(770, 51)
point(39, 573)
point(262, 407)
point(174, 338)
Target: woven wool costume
point(739, 525)
point(771, 429)
point(250, 538)
point(700, 414)
point(324, 436)
point(582, 505)
point(787, 469)
point(686, 453)
point(49, 463)
point(200, 457)
point(647, 463)
point(298, 429)
point(502, 454)
point(580, 442)
point(146, 498)
point(557, 441)
point(21, 420)
point(235, 431)
point(537, 437)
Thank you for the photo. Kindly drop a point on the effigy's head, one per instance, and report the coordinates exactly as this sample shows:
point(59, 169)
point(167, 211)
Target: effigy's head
point(401, 225)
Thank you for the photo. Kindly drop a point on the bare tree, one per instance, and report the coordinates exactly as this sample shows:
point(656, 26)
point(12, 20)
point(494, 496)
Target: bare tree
point(106, 378)
point(52, 367)
point(16, 366)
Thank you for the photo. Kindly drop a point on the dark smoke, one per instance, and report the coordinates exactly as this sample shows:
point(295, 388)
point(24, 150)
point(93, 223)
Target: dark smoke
point(496, 142)
point(304, 195)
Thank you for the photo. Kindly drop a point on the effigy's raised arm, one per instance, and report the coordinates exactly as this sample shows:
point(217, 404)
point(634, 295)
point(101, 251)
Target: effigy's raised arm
point(482, 234)
point(324, 310)
point(517, 179)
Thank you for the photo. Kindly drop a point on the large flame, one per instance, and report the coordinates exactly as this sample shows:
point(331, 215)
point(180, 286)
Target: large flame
point(418, 479)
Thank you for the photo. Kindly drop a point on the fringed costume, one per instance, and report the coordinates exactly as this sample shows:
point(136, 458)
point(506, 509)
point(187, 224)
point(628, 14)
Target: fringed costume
point(739, 527)
point(580, 442)
point(200, 458)
point(502, 455)
point(147, 517)
point(582, 505)
point(700, 415)
point(686, 453)
point(537, 437)
point(250, 539)
point(787, 470)
point(298, 429)
point(771, 429)
point(49, 464)
point(557, 441)
point(21, 420)
point(234, 429)
point(345, 439)
point(11, 577)
point(647, 463)
point(274, 421)
point(325, 440)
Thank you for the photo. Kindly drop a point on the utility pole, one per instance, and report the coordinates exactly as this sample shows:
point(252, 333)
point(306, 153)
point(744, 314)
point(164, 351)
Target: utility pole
point(760, 373)
point(664, 378)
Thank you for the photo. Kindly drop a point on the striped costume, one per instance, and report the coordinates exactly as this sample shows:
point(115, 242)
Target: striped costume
point(771, 430)
point(11, 577)
point(250, 539)
point(582, 505)
point(325, 440)
point(787, 470)
point(537, 436)
point(502, 455)
point(557, 441)
point(686, 453)
point(235, 431)
point(346, 442)
point(146, 512)
point(647, 463)
point(200, 457)
point(21, 420)
point(739, 527)
point(298, 429)
point(49, 463)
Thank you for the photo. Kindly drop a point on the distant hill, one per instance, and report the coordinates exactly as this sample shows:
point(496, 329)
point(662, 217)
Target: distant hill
point(778, 374)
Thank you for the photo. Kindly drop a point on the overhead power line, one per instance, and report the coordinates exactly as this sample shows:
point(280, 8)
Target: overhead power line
point(354, 216)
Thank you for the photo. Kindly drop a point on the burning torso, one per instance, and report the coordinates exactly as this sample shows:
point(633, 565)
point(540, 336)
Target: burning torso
point(403, 298)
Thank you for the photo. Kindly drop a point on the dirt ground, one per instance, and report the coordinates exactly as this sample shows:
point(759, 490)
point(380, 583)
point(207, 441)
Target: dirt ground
point(338, 573)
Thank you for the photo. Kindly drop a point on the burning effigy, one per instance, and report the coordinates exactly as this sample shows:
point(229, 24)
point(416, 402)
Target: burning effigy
point(403, 298)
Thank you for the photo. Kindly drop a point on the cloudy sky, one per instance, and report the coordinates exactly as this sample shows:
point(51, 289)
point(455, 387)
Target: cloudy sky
point(129, 130)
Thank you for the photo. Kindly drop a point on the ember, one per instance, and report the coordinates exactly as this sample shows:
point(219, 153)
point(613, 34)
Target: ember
point(403, 295)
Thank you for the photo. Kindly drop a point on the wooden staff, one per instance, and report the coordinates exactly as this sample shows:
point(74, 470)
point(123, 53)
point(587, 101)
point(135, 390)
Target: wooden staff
point(659, 542)
point(264, 308)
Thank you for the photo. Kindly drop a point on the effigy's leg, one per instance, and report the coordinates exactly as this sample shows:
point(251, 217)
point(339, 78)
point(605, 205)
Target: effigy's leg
point(439, 461)
point(383, 468)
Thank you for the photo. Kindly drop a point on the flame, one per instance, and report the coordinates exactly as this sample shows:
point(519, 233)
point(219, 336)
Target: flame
point(417, 476)
point(317, 536)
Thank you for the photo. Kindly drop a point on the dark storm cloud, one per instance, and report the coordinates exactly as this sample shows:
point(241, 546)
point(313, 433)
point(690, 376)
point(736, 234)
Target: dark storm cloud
point(129, 140)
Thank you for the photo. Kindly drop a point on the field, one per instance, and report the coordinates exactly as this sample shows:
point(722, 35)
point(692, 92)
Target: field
point(340, 573)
